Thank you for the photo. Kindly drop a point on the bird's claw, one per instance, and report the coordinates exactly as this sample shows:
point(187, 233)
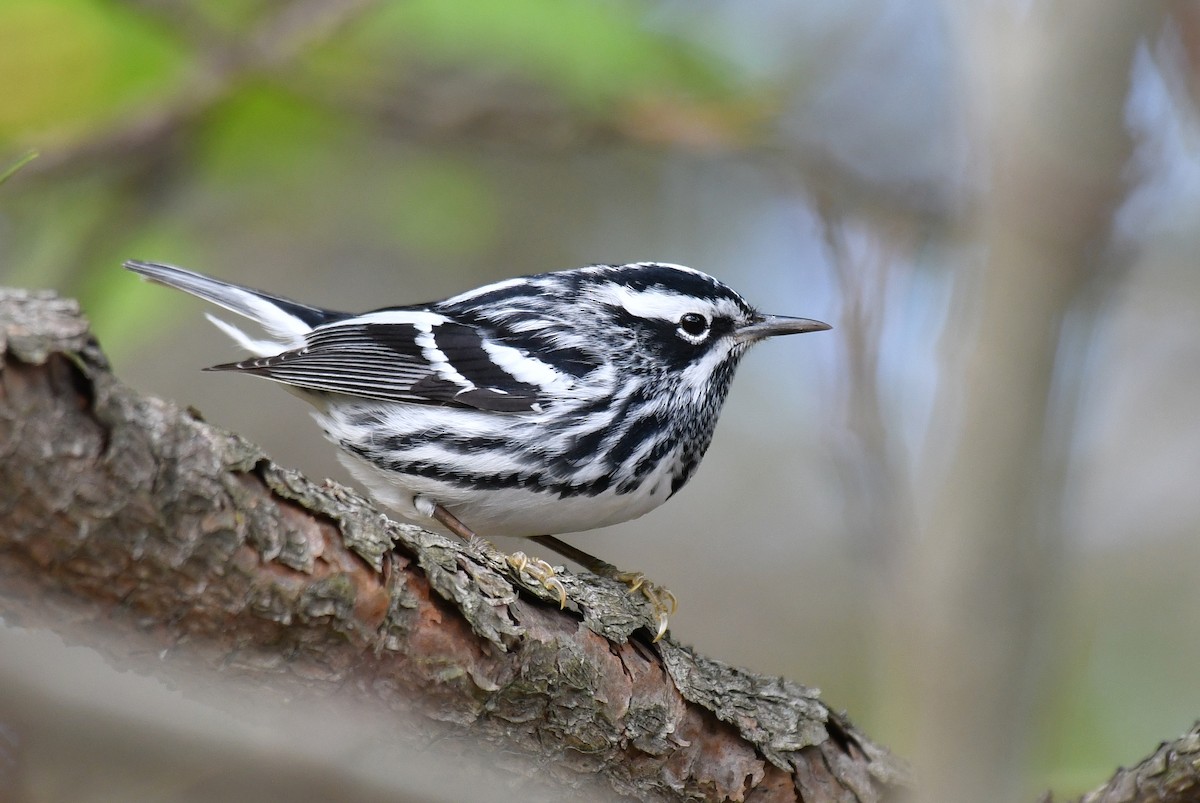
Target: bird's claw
point(481, 545)
point(661, 599)
point(540, 571)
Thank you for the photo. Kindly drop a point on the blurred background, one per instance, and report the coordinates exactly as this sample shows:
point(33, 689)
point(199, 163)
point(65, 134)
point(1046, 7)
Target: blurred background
point(969, 514)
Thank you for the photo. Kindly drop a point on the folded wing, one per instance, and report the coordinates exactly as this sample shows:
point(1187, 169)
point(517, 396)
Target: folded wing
point(426, 359)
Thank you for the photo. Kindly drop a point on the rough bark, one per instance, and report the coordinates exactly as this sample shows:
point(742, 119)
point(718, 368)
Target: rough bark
point(122, 514)
point(1171, 774)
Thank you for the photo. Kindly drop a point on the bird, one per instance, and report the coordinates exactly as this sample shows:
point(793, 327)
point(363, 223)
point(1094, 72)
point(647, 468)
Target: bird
point(531, 407)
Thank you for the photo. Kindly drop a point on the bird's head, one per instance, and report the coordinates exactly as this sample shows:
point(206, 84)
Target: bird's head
point(679, 315)
point(667, 325)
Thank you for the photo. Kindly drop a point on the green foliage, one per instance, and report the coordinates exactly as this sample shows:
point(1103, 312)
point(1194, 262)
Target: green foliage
point(126, 312)
point(232, 17)
point(439, 206)
point(8, 172)
point(285, 156)
point(68, 65)
point(263, 133)
point(51, 224)
point(593, 53)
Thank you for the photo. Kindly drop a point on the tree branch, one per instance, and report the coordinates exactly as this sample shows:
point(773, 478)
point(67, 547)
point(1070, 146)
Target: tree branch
point(124, 514)
point(1171, 774)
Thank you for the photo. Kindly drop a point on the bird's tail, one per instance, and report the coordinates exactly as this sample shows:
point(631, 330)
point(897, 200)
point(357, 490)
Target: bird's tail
point(285, 320)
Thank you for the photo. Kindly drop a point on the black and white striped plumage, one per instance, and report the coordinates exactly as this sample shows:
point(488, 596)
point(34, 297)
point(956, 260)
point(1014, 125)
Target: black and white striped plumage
point(544, 404)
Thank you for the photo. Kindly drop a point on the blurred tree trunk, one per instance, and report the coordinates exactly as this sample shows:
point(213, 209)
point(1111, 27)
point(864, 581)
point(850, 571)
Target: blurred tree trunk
point(1051, 84)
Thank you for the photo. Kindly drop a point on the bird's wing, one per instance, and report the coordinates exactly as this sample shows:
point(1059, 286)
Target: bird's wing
point(415, 357)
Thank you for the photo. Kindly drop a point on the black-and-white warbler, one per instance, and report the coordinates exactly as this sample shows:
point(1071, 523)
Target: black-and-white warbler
point(530, 407)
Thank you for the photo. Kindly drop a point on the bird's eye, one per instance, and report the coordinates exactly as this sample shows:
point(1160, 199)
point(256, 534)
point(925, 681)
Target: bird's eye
point(693, 323)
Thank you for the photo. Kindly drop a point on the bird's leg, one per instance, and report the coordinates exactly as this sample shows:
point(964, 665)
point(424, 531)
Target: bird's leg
point(450, 522)
point(662, 600)
point(538, 569)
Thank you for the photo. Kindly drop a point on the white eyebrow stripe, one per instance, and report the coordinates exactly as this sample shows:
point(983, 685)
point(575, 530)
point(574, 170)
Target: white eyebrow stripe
point(650, 303)
point(666, 305)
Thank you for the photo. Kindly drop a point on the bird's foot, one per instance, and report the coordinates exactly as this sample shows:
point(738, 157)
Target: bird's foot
point(662, 602)
point(661, 599)
point(541, 571)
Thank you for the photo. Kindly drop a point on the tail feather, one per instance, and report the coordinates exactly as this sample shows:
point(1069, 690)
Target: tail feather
point(286, 320)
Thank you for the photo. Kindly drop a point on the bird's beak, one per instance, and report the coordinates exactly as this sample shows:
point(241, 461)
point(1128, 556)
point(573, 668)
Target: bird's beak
point(773, 325)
